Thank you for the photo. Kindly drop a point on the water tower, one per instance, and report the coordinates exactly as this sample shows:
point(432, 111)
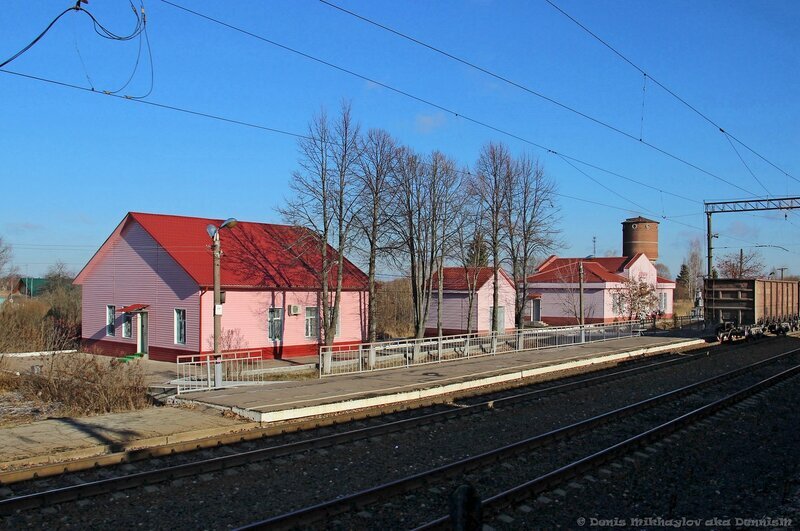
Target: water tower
point(640, 235)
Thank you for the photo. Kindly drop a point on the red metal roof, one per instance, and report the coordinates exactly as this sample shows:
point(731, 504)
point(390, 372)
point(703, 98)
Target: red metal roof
point(132, 308)
point(254, 255)
point(456, 278)
point(662, 280)
point(566, 270)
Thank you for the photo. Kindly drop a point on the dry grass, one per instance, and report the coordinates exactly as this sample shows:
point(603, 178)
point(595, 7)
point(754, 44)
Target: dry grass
point(682, 307)
point(79, 384)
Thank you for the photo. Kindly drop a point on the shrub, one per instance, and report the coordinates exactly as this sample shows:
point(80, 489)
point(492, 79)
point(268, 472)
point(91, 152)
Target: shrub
point(82, 384)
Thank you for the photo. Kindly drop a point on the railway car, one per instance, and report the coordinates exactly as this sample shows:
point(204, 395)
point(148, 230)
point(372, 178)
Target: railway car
point(750, 308)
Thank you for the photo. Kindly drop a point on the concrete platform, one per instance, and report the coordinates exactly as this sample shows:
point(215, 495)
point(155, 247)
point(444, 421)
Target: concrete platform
point(286, 400)
point(63, 439)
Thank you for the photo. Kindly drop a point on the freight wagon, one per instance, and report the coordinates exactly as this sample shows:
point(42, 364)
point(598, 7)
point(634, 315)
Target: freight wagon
point(745, 308)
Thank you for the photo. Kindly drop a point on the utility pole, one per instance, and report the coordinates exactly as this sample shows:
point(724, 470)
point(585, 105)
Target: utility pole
point(741, 263)
point(594, 245)
point(215, 248)
point(580, 298)
point(710, 235)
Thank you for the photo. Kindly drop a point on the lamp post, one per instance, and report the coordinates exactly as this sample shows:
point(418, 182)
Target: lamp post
point(216, 250)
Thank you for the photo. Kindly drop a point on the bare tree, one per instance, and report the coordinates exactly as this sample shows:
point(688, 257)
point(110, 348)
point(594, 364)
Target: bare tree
point(470, 251)
point(412, 233)
point(694, 267)
point(6, 268)
point(493, 173)
point(635, 299)
point(569, 296)
point(529, 221)
point(323, 199)
point(446, 180)
point(377, 165)
point(741, 265)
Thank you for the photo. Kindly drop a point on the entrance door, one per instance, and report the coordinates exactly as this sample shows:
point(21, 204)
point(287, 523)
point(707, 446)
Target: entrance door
point(537, 309)
point(141, 337)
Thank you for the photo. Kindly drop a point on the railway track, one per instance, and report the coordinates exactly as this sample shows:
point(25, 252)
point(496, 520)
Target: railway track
point(515, 398)
point(506, 395)
point(332, 510)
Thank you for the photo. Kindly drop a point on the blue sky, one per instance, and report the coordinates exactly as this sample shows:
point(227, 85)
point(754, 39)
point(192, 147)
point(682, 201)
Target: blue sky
point(74, 162)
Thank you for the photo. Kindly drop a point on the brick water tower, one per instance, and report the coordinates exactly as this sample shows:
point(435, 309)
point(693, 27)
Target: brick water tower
point(640, 235)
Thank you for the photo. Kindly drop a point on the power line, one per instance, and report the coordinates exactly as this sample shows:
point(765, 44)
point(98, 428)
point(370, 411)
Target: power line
point(300, 136)
point(431, 103)
point(668, 90)
point(98, 28)
point(515, 84)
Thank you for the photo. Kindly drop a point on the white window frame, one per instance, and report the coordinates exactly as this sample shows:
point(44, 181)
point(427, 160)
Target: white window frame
point(111, 325)
point(127, 325)
point(176, 330)
point(314, 320)
point(275, 314)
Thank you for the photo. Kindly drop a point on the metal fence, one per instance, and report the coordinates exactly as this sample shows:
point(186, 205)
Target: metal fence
point(348, 359)
point(199, 372)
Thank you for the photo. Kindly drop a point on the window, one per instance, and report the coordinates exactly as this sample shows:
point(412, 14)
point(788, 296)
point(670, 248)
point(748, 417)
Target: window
point(275, 319)
point(501, 318)
point(111, 328)
point(662, 302)
point(127, 322)
point(312, 330)
point(180, 326)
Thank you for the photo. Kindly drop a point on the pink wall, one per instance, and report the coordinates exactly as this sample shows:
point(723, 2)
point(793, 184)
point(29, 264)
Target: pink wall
point(246, 311)
point(455, 306)
point(133, 269)
point(485, 301)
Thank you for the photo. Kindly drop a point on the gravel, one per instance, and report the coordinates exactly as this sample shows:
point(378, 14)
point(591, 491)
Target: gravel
point(272, 487)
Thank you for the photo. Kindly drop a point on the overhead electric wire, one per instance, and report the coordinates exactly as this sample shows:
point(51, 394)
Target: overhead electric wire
point(98, 28)
point(430, 103)
point(296, 135)
point(667, 89)
point(513, 83)
point(728, 138)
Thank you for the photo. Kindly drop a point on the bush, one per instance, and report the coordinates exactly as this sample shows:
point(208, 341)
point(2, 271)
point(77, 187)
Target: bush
point(82, 384)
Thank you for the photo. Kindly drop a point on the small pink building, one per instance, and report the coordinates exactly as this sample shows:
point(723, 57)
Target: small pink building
point(149, 289)
point(455, 301)
point(555, 288)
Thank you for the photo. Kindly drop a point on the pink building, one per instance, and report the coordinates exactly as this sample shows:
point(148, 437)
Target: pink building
point(555, 288)
point(149, 289)
point(455, 301)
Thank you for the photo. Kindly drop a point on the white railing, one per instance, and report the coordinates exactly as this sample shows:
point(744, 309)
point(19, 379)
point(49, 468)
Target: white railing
point(348, 359)
point(199, 372)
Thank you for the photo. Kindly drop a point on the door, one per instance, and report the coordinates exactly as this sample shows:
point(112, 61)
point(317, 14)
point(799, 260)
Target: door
point(141, 336)
point(537, 310)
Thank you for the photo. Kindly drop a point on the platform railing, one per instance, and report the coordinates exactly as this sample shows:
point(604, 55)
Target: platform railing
point(196, 372)
point(349, 359)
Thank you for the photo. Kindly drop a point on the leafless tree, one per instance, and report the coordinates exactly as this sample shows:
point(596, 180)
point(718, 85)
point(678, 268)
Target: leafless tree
point(445, 179)
point(468, 252)
point(694, 267)
point(415, 227)
point(529, 219)
point(6, 268)
point(324, 193)
point(635, 299)
point(377, 165)
point(569, 295)
point(741, 265)
point(492, 175)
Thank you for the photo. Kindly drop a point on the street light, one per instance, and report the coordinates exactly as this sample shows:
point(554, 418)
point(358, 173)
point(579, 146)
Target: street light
point(213, 231)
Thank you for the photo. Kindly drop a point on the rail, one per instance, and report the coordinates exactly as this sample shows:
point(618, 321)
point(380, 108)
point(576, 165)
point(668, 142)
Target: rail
point(349, 359)
point(199, 372)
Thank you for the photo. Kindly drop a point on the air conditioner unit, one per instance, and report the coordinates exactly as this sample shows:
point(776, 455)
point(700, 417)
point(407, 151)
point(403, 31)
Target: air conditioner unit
point(294, 309)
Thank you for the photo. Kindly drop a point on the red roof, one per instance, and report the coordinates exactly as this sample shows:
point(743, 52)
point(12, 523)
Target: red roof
point(254, 255)
point(566, 270)
point(132, 308)
point(662, 280)
point(460, 278)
